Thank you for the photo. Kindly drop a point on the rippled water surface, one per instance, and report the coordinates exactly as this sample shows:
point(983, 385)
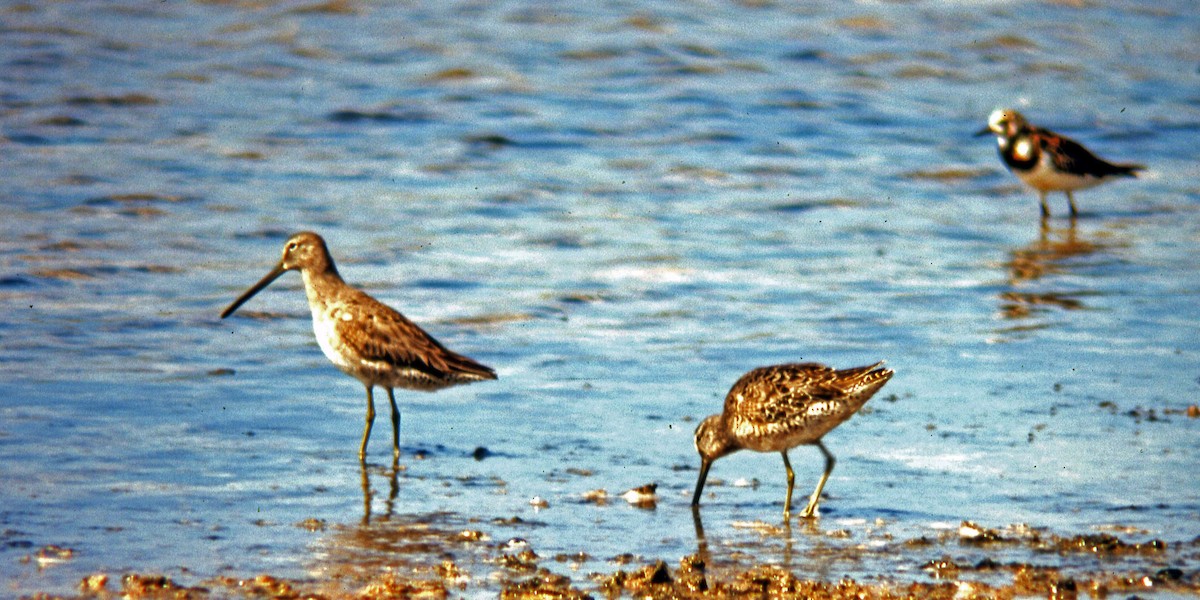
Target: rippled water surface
point(622, 208)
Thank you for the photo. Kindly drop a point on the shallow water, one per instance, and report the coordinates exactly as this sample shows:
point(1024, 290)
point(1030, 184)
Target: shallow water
point(622, 208)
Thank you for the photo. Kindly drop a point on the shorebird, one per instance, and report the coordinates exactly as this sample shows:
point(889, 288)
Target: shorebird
point(1047, 161)
point(775, 409)
point(365, 338)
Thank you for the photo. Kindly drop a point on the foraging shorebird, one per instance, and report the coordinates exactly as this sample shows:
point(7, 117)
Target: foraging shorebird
point(365, 338)
point(1047, 161)
point(775, 409)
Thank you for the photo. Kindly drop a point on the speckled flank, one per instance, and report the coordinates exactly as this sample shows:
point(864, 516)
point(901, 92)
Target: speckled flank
point(365, 338)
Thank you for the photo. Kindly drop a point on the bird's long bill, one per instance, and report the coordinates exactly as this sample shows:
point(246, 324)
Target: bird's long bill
point(264, 282)
point(983, 132)
point(704, 465)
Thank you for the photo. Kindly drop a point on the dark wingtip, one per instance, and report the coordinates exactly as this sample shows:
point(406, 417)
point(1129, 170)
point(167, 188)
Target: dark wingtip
point(880, 374)
point(472, 368)
point(472, 371)
point(867, 372)
point(883, 371)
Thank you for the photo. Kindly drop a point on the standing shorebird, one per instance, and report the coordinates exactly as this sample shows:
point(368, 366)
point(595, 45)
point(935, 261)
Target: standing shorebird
point(775, 409)
point(364, 337)
point(1048, 162)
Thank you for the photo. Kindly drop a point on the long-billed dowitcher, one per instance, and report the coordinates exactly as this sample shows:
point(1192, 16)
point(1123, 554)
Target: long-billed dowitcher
point(775, 409)
point(1049, 162)
point(365, 338)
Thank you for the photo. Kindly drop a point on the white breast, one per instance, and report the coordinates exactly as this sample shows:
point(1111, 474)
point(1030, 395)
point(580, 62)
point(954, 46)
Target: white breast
point(325, 328)
point(1046, 177)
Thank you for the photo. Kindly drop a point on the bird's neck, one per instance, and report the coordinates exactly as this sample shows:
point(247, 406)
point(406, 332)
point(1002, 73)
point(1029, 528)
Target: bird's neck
point(320, 285)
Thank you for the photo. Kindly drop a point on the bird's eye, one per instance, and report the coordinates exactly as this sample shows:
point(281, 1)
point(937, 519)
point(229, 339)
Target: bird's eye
point(291, 246)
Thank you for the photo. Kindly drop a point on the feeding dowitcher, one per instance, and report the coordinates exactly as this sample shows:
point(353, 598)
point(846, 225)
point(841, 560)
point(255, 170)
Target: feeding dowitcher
point(365, 338)
point(1048, 162)
point(775, 409)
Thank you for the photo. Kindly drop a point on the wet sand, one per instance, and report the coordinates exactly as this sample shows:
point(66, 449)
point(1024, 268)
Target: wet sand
point(445, 555)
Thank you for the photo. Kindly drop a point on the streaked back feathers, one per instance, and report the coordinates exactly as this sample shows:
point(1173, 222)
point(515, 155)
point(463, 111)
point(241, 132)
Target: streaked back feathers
point(782, 406)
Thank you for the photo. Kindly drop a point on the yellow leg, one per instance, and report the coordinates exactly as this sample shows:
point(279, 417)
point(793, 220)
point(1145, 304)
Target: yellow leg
point(362, 450)
point(395, 427)
point(1071, 203)
point(1045, 207)
point(366, 490)
point(811, 509)
point(787, 502)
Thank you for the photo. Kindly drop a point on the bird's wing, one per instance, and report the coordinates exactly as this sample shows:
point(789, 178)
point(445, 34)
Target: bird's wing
point(378, 333)
point(1072, 157)
point(795, 391)
point(770, 394)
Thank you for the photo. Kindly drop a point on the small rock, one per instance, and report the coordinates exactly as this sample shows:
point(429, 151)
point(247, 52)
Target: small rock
point(94, 583)
point(53, 554)
point(312, 524)
point(970, 532)
point(598, 497)
point(643, 496)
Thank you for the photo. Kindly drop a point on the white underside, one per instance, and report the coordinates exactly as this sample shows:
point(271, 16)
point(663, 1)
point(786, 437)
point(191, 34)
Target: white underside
point(1045, 178)
point(326, 331)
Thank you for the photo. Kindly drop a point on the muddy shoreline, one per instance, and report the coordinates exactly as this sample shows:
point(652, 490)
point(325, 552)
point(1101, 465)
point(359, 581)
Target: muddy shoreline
point(443, 556)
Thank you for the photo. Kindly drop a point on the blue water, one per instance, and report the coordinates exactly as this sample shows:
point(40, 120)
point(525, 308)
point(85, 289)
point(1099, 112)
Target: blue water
point(622, 208)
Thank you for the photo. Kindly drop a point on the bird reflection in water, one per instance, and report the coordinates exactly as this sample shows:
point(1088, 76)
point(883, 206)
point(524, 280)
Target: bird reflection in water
point(822, 556)
point(1050, 254)
point(423, 554)
point(393, 490)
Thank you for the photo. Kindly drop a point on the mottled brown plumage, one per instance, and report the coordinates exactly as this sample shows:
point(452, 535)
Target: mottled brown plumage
point(365, 338)
point(774, 409)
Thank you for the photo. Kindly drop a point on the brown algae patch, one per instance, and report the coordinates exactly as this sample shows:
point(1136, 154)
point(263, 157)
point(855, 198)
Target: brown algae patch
point(131, 99)
point(865, 23)
point(493, 319)
point(443, 555)
point(657, 580)
point(62, 274)
point(949, 175)
point(333, 7)
point(452, 74)
point(1007, 42)
point(136, 197)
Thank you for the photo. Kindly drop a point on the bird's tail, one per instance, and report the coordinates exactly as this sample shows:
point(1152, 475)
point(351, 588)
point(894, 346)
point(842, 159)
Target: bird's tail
point(865, 380)
point(467, 370)
point(1127, 170)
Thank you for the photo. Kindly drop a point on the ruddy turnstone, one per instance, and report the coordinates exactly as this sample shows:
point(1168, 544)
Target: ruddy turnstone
point(365, 338)
point(1047, 161)
point(775, 409)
